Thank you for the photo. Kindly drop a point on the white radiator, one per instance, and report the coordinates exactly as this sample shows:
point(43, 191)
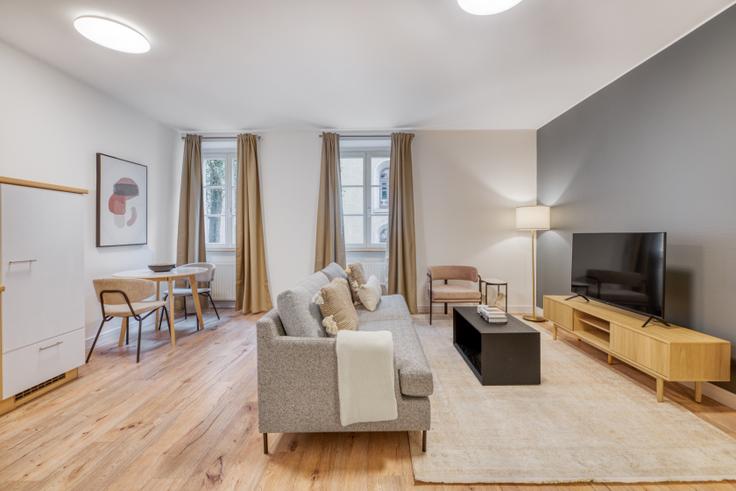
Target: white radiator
point(377, 268)
point(223, 288)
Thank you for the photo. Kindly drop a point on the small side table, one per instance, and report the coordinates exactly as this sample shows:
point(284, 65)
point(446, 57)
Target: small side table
point(498, 284)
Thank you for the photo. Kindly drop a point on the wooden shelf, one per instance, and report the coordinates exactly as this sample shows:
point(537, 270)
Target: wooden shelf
point(598, 339)
point(597, 323)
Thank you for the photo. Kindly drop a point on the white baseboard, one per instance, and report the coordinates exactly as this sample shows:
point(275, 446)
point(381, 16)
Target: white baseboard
point(716, 393)
point(440, 308)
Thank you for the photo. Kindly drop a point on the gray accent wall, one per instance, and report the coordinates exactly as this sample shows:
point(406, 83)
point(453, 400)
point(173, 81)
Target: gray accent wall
point(654, 151)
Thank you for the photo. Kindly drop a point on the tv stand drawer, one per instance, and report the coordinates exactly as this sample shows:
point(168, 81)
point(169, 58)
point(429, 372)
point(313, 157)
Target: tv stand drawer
point(640, 349)
point(559, 313)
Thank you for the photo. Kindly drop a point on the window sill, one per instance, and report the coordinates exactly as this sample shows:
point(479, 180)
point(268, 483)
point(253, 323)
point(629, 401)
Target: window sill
point(220, 249)
point(365, 249)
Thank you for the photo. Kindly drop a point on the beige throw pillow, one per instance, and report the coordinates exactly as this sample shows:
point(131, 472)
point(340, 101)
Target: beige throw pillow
point(370, 293)
point(356, 277)
point(336, 306)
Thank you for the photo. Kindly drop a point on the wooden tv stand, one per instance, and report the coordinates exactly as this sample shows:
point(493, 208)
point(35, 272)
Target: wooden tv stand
point(672, 354)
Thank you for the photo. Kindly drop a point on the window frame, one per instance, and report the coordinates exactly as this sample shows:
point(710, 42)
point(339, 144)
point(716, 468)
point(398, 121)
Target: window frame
point(366, 155)
point(230, 188)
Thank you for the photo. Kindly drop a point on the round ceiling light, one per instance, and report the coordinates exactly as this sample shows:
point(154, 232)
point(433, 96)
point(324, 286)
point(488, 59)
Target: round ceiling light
point(486, 7)
point(111, 34)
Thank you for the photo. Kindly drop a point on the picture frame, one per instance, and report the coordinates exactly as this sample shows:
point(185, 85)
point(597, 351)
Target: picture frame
point(122, 202)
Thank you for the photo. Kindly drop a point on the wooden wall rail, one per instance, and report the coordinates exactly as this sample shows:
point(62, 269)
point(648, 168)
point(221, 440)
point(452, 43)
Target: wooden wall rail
point(41, 185)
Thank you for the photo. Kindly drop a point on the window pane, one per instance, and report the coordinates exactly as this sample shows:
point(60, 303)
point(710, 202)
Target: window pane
point(214, 230)
point(379, 170)
point(234, 201)
point(353, 230)
point(235, 172)
point(352, 201)
point(351, 171)
point(214, 172)
point(379, 229)
point(379, 199)
point(214, 201)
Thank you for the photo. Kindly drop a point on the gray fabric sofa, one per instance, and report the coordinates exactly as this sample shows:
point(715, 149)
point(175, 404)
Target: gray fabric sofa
point(297, 374)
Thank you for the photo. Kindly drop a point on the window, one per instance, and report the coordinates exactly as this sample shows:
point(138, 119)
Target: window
point(364, 176)
point(220, 177)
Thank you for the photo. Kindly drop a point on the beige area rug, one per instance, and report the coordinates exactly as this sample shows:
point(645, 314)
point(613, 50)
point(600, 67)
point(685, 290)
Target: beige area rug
point(584, 423)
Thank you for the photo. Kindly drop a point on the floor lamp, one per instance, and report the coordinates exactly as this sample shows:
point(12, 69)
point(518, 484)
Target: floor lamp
point(533, 218)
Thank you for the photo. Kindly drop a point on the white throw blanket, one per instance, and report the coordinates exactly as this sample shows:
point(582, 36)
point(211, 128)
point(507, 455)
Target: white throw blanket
point(365, 376)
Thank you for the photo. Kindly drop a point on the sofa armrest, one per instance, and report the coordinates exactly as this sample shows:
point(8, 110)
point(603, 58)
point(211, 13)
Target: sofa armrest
point(297, 378)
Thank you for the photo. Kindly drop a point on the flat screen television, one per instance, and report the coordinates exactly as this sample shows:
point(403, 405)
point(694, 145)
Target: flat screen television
point(626, 270)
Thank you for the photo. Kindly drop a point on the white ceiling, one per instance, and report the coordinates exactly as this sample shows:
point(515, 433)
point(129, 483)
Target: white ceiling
point(355, 64)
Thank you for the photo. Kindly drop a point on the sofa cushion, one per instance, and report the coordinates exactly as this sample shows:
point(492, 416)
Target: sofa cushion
point(391, 307)
point(299, 315)
point(336, 306)
point(415, 375)
point(370, 294)
point(356, 278)
point(334, 270)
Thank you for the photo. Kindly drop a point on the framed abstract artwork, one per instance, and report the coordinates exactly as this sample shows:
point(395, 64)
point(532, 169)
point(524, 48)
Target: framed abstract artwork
point(122, 202)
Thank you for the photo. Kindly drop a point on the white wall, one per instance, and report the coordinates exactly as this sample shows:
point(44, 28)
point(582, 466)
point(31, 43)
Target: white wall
point(290, 166)
point(466, 186)
point(51, 127)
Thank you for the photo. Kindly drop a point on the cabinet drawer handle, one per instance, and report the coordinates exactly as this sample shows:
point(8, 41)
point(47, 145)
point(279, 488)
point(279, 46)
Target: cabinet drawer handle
point(41, 348)
point(23, 261)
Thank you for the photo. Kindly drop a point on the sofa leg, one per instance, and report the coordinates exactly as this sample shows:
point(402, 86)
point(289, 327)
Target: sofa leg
point(445, 308)
point(430, 313)
point(424, 441)
point(265, 444)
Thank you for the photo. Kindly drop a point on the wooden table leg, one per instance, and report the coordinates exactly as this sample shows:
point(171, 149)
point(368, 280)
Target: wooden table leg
point(123, 328)
point(197, 305)
point(158, 312)
point(172, 330)
point(554, 332)
point(698, 392)
point(660, 390)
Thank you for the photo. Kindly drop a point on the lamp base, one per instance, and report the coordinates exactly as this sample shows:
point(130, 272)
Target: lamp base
point(533, 318)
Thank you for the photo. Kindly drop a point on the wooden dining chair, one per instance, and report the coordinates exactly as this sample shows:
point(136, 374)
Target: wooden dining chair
point(205, 278)
point(125, 298)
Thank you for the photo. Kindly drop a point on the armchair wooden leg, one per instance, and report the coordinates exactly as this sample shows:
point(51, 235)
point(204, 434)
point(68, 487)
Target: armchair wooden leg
point(265, 444)
point(430, 313)
point(445, 308)
point(424, 441)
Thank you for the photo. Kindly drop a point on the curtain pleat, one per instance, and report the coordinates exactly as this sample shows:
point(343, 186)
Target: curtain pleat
point(402, 256)
point(251, 279)
point(190, 246)
point(330, 243)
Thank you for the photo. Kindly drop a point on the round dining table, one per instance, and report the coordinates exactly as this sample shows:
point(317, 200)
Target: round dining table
point(181, 273)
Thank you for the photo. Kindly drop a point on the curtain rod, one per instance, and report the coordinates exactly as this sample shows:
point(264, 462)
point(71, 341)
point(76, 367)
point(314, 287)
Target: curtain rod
point(361, 136)
point(205, 138)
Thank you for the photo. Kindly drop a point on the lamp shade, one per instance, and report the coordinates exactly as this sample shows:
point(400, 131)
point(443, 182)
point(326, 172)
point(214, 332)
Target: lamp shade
point(532, 218)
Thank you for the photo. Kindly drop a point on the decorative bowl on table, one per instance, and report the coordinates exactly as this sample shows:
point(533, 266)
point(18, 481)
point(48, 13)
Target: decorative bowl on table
point(161, 268)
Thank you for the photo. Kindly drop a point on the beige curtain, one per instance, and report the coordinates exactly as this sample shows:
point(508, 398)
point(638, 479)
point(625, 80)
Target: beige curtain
point(251, 280)
point(402, 262)
point(330, 238)
point(190, 246)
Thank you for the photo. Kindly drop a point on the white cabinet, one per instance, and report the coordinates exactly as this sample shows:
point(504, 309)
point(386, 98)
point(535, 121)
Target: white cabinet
point(41, 254)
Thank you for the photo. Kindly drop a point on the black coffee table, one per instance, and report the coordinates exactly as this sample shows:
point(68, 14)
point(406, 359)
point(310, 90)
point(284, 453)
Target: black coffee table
point(498, 354)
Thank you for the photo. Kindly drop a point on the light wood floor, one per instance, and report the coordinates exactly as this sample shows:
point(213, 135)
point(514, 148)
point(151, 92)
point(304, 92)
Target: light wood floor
point(187, 419)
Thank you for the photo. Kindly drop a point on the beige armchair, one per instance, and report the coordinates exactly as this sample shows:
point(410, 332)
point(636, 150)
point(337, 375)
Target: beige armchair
point(453, 292)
